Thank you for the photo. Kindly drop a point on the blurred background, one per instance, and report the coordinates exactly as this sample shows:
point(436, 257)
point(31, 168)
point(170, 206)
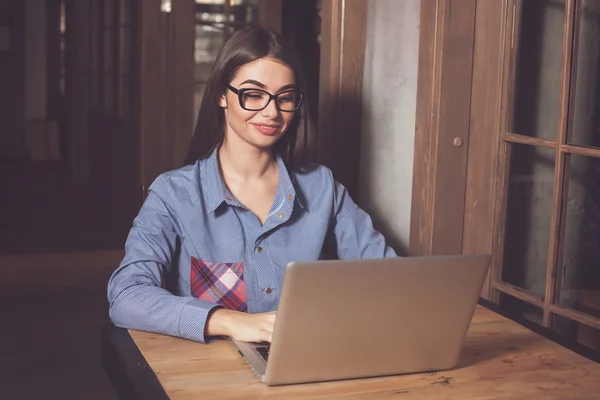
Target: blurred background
point(109, 91)
point(98, 97)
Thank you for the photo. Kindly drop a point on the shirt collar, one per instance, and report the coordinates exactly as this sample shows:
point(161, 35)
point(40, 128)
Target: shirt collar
point(215, 192)
point(286, 185)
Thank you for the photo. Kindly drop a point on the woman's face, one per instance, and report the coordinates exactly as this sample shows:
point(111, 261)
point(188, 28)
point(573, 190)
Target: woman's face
point(261, 128)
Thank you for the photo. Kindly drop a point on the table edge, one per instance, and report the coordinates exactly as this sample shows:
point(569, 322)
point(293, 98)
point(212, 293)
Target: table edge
point(128, 371)
point(132, 377)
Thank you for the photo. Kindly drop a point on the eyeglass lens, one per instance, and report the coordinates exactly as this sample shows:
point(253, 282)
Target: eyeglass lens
point(257, 100)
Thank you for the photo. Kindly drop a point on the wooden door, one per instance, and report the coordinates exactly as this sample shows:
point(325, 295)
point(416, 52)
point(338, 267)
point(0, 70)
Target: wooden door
point(166, 86)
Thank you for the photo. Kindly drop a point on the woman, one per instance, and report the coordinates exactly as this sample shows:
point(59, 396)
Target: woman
point(206, 255)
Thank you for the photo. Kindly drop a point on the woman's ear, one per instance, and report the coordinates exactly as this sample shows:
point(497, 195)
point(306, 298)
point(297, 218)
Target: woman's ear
point(223, 101)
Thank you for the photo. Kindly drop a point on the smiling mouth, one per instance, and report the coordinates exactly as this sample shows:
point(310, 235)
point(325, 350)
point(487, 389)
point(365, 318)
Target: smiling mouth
point(267, 129)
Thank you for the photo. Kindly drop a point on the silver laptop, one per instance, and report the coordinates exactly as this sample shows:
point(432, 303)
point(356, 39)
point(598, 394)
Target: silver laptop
point(367, 318)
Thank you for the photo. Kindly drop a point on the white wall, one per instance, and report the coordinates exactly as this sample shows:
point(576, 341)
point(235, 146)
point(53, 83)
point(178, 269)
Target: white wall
point(389, 105)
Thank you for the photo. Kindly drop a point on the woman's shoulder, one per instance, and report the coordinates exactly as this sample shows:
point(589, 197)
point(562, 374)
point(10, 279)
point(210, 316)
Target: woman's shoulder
point(176, 181)
point(315, 180)
point(314, 172)
point(186, 173)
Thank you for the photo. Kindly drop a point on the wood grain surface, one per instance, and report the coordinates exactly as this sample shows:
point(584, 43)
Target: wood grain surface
point(500, 360)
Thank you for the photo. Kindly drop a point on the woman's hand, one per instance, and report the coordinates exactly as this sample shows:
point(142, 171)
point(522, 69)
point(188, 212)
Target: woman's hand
point(241, 326)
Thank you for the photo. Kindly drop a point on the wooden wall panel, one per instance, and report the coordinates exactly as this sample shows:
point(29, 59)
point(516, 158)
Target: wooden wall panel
point(424, 161)
point(78, 124)
point(151, 98)
point(12, 67)
point(166, 86)
point(343, 36)
point(180, 82)
point(442, 131)
point(54, 106)
point(484, 132)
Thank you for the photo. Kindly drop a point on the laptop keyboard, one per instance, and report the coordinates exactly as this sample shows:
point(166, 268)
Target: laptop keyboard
point(264, 351)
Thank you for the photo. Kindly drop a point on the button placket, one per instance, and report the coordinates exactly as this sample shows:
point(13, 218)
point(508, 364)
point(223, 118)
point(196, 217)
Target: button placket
point(250, 273)
point(267, 282)
point(277, 218)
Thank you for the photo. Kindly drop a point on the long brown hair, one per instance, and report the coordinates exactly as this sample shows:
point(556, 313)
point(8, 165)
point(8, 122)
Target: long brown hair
point(243, 47)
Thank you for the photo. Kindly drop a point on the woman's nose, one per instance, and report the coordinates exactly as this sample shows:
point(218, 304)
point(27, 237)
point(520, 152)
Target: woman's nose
point(270, 110)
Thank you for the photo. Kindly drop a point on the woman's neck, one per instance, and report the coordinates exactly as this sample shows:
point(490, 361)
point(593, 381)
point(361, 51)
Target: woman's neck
point(248, 164)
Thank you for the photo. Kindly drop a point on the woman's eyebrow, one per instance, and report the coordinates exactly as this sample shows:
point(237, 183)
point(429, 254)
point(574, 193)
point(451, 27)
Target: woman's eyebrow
point(263, 86)
point(253, 82)
point(286, 87)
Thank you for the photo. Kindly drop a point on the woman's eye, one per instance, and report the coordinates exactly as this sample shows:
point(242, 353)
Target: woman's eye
point(254, 95)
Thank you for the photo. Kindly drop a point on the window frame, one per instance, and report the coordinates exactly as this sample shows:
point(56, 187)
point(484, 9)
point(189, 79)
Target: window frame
point(549, 303)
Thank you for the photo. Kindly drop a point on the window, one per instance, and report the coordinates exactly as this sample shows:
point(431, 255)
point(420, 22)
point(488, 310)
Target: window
point(547, 227)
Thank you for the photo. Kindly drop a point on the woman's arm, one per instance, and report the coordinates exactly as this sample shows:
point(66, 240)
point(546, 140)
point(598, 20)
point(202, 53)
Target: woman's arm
point(137, 299)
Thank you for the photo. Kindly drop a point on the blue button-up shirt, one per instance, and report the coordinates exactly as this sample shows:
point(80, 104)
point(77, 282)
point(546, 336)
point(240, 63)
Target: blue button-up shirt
point(190, 214)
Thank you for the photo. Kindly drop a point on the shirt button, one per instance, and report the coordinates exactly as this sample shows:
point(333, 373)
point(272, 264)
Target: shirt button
point(280, 215)
point(229, 198)
point(289, 197)
point(259, 249)
point(268, 291)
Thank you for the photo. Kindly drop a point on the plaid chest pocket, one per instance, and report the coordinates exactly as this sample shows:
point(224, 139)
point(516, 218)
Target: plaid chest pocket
point(220, 283)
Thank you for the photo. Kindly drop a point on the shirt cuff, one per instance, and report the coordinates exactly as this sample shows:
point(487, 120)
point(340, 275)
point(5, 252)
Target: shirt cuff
point(192, 320)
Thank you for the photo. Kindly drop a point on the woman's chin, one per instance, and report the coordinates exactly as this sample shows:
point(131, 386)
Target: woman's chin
point(264, 141)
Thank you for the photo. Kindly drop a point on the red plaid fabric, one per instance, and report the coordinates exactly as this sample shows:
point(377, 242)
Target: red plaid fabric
point(220, 283)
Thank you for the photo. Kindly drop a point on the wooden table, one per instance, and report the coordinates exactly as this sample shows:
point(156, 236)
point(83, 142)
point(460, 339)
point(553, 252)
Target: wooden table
point(501, 359)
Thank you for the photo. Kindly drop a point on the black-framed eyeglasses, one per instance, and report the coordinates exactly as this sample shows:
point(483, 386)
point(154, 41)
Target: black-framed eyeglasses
point(251, 99)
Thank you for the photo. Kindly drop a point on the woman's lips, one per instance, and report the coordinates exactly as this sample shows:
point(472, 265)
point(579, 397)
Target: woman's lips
point(266, 129)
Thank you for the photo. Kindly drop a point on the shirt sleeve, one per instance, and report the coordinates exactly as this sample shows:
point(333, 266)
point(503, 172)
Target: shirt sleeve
point(135, 294)
point(353, 233)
